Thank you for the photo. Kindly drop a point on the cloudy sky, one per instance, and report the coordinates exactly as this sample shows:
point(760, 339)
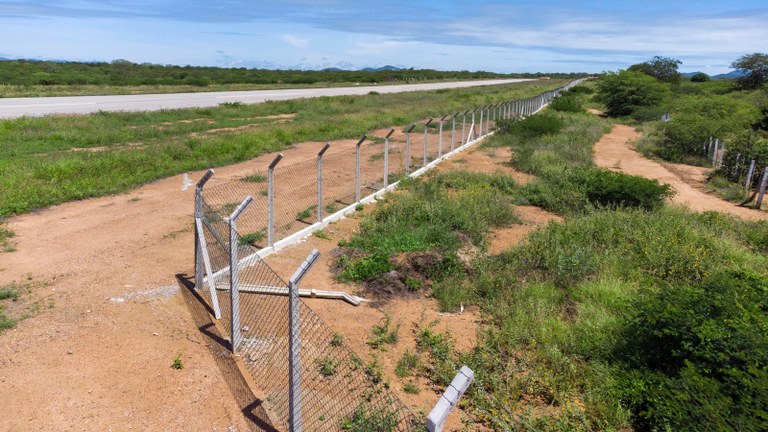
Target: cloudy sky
point(501, 35)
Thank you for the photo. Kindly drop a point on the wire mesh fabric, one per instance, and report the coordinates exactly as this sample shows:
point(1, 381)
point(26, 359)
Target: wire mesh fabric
point(337, 388)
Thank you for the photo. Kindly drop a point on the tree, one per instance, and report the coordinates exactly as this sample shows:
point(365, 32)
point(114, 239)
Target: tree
point(700, 77)
point(756, 67)
point(663, 69)
point(623, 92)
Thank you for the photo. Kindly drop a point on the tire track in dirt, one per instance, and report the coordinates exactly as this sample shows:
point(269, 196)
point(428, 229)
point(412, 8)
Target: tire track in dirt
point(615, 151)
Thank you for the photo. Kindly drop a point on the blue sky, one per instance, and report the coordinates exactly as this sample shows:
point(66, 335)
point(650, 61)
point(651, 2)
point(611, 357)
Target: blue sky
point(500, 36)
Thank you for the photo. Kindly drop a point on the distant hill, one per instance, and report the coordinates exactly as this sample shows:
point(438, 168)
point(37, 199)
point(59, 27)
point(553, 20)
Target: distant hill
point(367, 69)
point(380, 69)
point(732, 75)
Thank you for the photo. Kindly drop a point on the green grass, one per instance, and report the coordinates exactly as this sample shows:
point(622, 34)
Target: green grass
point(326, 367)
point(384, 334)
point(15, 305)
point(253, 238)
point(442, 212)
point(50, 160)
point(6, 244)
point(408, 365)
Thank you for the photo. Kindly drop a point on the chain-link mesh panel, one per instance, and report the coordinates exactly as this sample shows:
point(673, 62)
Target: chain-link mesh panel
point(336, 386)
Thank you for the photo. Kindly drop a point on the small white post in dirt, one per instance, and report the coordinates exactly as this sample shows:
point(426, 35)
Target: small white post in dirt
point(234, 289)
point(294, 342)
point(449, 399)
point(320, 181)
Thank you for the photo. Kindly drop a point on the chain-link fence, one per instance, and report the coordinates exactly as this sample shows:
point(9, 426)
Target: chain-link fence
point(336, 389)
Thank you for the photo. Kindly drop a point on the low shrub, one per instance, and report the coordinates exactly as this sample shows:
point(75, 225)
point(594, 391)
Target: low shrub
point(567, 103)
point(710, 345)
point(615, 189)
point(530, 127)
point(580, 189)
point(579, 90)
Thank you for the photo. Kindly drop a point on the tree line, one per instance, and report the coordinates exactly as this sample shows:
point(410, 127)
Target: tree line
point(127, 73)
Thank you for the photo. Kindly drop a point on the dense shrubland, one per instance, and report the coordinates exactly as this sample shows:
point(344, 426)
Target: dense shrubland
point(629, 314)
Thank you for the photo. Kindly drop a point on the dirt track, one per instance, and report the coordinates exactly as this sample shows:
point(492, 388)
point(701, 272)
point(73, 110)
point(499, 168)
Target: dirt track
point(615, 151)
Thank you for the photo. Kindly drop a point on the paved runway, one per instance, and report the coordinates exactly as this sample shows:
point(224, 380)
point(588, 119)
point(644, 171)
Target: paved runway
point(40, 106)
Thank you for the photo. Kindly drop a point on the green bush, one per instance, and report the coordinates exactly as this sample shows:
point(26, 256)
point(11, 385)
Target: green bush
point(710, 343)
point(700, 77)
point(534, 126)
point(365, 268)
point(615, 189)
point(579, 189)
point(580, 89)
point(623, 92)
point(567, 103)
point(695, 119)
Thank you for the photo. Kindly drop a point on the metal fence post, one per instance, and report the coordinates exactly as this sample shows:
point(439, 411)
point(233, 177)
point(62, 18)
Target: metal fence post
point(735, 172)
point(763, 182)
point(234, 289)
point(751, 172)
point(463, 126)
point(198, 217)
point(408, 150)
point(357, 167)
point(714, 156)
point(472, 126)
point(320, 181)
point(722, 154)
point(482, 110)
point(488, 119)
point(386, 158)
point(294, 345)
point(271, 200)
point(440, 138)
point(425, 140)
point(453, 131)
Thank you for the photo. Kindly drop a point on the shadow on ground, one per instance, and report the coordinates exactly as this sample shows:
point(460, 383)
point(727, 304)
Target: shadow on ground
point(249, 404)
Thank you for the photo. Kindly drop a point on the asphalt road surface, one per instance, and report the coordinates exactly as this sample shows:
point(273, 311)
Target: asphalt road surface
point(41, 106)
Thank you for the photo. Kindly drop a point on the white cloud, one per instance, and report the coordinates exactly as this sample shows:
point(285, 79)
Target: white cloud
point(296, 41)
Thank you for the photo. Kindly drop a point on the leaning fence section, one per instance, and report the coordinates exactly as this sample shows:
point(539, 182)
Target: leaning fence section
point(306, 375)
